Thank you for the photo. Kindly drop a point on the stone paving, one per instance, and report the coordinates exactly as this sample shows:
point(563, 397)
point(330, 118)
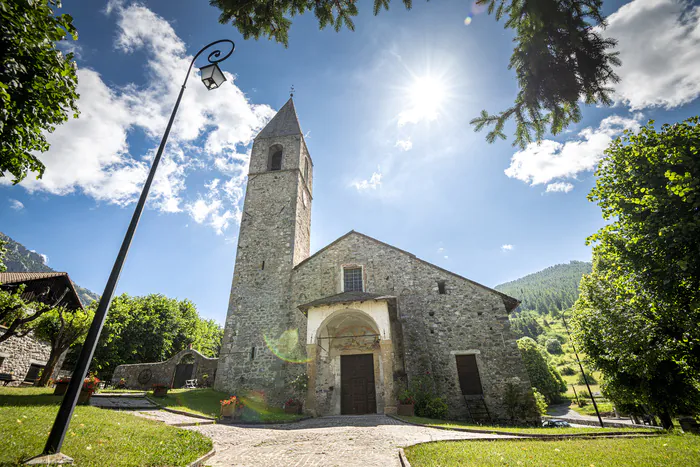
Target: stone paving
point(363, 441)
point(120, 402)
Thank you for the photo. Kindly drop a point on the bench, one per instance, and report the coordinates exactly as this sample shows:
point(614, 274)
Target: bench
point(191, 384)
point(7, 378)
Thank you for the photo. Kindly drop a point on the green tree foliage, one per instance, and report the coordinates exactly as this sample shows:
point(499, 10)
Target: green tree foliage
point(559, 55)
point(37, 82)
point(548, 291)
point(152, 329)
point(525, 325)
point(62, 328)
point(638, 313)
point(540, 402)
point(18, 316)
point(543, 375)
point(553, 347)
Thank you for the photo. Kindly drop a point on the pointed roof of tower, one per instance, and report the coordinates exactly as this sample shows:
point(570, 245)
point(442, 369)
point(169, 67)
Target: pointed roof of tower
point(285, 123)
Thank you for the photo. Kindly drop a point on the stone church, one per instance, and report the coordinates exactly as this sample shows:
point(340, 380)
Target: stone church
point(360, 317)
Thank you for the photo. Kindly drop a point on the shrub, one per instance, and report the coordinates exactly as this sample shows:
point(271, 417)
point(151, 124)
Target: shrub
point(436, 408)
point(567, 371)
point(553, 346)
point(543, 375)
point(518, 403)
point(422, 388)
point(540, 402)
point(591, 379)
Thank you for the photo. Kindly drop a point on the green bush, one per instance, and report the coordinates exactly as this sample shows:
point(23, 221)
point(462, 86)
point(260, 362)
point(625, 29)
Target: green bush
point(567, 371)
point(543, 375)
point(553, 346)
point(436, 408)
point(422, 389)
point(540, 402)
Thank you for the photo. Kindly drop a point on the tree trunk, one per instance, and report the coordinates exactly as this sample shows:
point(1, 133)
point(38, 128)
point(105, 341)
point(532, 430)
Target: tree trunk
point(54, 356)
point(666, 421)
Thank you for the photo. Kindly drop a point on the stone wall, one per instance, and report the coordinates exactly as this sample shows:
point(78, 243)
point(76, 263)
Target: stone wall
point(18, 353)
point(434, 327)
point(145, 375)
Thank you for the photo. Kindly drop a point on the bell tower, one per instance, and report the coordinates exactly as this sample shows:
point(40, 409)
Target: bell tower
point(273, 238)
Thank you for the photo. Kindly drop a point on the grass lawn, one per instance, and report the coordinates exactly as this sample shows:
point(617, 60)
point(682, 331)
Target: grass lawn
point(96, 437)
point(667, 450)
point(208, 402)
point(524, 430)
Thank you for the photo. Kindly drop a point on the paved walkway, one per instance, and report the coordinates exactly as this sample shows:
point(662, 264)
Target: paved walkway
point(121, 401)
point(564, 411)
point(362, 441)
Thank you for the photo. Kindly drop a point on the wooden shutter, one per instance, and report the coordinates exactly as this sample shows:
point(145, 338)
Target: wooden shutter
point(468, 373)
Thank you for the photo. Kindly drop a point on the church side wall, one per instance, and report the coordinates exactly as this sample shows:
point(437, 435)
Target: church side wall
point(434, 326)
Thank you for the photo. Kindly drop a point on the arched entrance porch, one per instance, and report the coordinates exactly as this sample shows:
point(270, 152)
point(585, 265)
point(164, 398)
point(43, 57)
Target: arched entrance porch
point(351, 358)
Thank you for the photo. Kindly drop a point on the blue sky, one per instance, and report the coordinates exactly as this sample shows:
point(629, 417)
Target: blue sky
point(386, 113)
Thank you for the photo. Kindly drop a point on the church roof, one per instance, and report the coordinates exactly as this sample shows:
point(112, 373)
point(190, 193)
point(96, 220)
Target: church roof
point(345, 297)
point(510, 302)
point(285, 123)
point(55, 288)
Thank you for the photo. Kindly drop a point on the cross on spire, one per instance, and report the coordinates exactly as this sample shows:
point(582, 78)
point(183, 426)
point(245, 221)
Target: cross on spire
point(291, 91)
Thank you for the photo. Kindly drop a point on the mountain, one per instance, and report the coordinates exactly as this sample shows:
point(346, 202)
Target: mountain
point(19, 259)
point(554, 288)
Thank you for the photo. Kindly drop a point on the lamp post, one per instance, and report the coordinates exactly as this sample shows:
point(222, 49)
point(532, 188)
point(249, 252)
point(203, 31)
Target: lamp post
point(212, 77)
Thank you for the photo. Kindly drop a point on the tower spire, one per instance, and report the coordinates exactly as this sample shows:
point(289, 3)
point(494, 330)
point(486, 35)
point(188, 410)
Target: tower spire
point(285, 123)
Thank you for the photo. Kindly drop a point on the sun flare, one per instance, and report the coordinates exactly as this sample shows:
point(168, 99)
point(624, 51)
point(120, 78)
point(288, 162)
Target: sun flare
point(427, 95)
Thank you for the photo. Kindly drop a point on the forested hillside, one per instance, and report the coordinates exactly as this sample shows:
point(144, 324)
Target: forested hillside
point(552, 289)
point(19, 259)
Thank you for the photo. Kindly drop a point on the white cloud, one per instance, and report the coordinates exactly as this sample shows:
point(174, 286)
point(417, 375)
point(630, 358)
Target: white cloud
point(44, 257)
point(219, 206)
point(446, 257)
point(91, 154)
point(564, 187)
point(373, 183)
point(16, 205)
point(659, 45)
point(507, 247)
point(440, 250)
point(550, 160)
point(404, 144)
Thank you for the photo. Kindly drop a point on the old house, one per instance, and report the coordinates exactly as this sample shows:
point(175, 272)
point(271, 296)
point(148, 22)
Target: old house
point(360, 317)
point(23, 357)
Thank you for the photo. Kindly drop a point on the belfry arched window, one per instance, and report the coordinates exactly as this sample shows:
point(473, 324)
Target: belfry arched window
point(276, 157)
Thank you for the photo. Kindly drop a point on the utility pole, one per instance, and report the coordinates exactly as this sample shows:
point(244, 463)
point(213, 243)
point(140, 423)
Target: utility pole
point(585, 378)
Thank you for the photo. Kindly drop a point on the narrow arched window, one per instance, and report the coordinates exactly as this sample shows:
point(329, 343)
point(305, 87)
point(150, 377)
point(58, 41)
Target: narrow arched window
point(275, 158)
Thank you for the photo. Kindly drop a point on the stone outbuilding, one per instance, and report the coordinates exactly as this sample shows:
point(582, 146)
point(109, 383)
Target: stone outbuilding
point(360, 318)
point(185, 365)
point(23, 357)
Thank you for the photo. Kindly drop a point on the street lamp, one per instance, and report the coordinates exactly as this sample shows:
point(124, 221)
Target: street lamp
point(212, 77)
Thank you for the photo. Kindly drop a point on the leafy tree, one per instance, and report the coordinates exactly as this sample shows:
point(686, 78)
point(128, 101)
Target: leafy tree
point(543, 375)
point(37, 82)
point(62, 328)
point(525, 325)
point(559, 55)
point(17, 315)
point(553, 347)
point(151, 329)
point(638, 313)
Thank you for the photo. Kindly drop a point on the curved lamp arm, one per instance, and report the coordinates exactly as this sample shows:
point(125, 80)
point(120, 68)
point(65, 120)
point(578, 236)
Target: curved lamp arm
point(215, 54)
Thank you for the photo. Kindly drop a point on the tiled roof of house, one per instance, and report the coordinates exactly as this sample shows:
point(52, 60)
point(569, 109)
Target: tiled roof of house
point(15, 277)
point(71, 300)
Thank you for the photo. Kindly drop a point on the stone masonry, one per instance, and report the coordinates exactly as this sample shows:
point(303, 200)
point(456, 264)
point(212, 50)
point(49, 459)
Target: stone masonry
point(17, 354)
point(145, 375)
point(420, 316)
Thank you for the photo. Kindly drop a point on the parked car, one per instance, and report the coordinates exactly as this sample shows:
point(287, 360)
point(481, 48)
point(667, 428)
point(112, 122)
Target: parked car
point(552, 423)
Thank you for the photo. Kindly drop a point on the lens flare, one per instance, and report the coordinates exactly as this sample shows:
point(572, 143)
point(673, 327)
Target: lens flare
point(286, 347)
point(468, 20)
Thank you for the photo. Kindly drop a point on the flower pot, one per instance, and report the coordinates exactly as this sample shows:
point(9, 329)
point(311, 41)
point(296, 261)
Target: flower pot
point(293, 409)
point(61, 388)
point(407, 410)
point(228, 411)
point(84, 397)
point(160, 392)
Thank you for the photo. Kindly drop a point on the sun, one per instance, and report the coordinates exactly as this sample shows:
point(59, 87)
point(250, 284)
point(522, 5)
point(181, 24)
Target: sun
point(427, 94)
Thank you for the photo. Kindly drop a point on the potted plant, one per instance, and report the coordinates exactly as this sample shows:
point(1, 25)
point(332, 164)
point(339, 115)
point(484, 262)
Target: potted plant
point(61, 386)
point(121, 384)
point(160, 390)
point(231, 407)
point(406, 404)
point(89, 387)
point(293, 406)
point(205, 381)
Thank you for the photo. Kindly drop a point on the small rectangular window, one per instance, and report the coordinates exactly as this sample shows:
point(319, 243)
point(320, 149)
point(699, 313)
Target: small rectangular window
point(468, 372)
point(441, 287)
point(262, 266)
point(33, 373)
point(352, 279)
point(252, 353)
point(306, 170)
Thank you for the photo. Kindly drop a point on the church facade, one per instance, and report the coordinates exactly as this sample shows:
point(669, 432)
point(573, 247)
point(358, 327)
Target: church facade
point(360, 317)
